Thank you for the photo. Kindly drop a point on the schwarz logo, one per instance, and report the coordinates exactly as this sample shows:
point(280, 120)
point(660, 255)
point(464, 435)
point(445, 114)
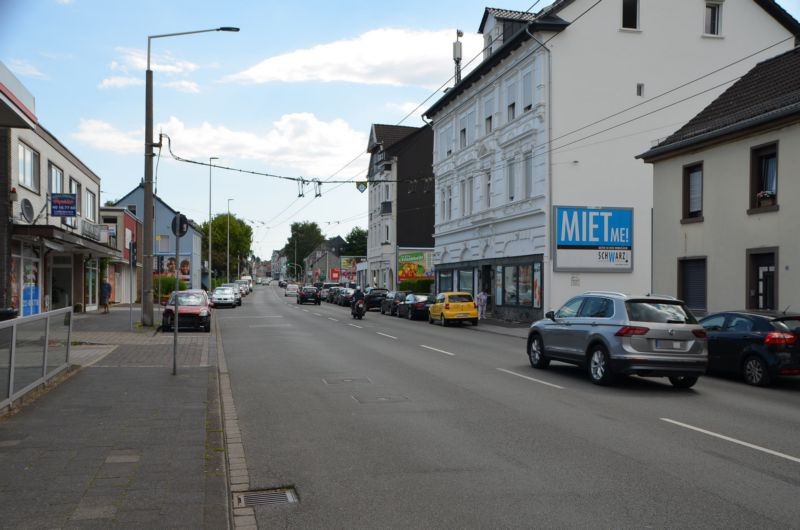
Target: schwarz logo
point(616, 257)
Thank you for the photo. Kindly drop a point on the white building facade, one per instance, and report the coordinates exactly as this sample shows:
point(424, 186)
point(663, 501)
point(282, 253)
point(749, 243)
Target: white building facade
point(538, 194)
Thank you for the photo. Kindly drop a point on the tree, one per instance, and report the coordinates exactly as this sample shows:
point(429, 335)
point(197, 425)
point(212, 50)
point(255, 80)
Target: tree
point(304, 238)
point(356, 242)
point(241, 241)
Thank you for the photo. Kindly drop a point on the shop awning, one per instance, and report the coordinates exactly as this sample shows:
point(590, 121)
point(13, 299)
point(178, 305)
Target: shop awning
point(69, 241)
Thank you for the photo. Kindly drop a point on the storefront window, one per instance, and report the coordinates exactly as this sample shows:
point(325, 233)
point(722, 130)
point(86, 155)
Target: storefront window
point(24, 276)
point(498, 285)
point(90, 285)
point(465, 282)
point(525, 292)
point(511, 286)
point(445, 281)
point(537, 285)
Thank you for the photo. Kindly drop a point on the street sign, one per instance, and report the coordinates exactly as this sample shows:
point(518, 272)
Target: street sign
point(361, 186)
point(180, 225)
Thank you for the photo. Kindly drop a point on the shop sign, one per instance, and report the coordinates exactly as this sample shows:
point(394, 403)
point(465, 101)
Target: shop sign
point(593, 239)
point(414, 264)
point(63, 204)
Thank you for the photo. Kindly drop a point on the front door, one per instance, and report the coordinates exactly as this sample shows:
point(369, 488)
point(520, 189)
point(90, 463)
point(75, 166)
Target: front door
point(762, 281)
point(61, 282)
point(90, 285)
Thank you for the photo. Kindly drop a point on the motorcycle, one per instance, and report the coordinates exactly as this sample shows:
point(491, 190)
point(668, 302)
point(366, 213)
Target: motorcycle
point(359, 308)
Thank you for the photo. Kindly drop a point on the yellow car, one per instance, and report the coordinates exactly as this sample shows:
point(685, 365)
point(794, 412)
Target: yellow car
point(453, 307)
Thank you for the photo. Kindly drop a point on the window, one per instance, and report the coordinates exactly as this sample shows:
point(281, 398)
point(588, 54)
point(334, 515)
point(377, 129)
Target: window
point(488, 112)
point(525, 290)
point(764, 176)
point(462, 197)
point(692, 282)
point(469, 196)
point(462, 138)
point(640, 89)
point(445, 281)
point(465, 280)
point(510, 281)
point(443, 217)
point(449, 203)
point(28, 167)
point(596, 307)
point(630, 14)
point(713, 12)
point(570, 309)
point(75, 189)
point(387, 233)
point(529, 175)
point(512, 111)
point(56, 179)
point(488, 189)
point(132, 208)
point(91, 206)
point(527, 92)
point(163, 243)
point(693, 192)
point(511, 180)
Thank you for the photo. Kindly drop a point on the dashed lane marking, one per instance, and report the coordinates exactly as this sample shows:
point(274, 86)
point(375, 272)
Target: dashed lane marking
point(385, 335)
point(531, 378)
point(437, 349)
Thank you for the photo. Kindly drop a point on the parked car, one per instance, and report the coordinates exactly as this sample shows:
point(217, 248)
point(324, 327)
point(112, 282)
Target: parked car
point(245, 286)
point(308, 295)
point(282, 283)
point(237, 291)
point(223, 296)
point(291, 289)
point(390, 303)
point(453, 306)
point(759, 347)
point(345, 296)
point(374, 297)
point(332, 292)
point(193, 311)
point(613, 333)
point(414, 306)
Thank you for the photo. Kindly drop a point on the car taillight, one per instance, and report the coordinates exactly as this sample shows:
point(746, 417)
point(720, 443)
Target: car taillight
point(447, 306)
point(700, 333)
point(779, 338)
point(629, 331)
point(419, 304)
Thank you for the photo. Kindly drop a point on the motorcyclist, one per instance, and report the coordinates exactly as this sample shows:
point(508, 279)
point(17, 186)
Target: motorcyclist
point(358, 295)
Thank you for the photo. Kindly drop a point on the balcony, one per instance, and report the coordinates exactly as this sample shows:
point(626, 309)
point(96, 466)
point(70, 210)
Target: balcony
point(386, 207)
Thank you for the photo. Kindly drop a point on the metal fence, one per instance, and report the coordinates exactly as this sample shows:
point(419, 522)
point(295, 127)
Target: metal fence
point(33, 350)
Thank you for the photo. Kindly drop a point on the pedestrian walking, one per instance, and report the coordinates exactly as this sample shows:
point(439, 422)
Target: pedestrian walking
point(482, 299)
point(105, 294)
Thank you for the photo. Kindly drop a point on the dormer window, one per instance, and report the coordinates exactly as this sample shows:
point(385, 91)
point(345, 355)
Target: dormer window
point(630, 14)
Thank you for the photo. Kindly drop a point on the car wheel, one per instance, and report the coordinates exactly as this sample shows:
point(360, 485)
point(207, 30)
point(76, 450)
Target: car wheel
point(442, 320)
point(383, 312)
point(755, 371)
point(474, 321)
point(683, 381)
point(410, 315)
point(536, 352)
point(599, 366)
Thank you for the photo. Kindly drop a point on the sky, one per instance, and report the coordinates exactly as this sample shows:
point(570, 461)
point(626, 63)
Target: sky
point(293, 94)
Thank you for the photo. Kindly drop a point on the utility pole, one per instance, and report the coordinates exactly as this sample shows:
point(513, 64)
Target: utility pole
point(210, 286)
point(228, 251)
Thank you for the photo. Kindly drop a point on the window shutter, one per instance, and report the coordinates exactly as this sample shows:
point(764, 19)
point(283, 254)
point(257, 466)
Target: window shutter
point(693, 283)
point(527, 91)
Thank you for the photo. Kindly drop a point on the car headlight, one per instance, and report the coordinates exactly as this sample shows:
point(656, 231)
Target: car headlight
point(204, 313)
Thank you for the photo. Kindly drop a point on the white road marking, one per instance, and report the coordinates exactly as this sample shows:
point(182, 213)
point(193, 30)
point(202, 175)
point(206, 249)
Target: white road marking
point(385, 335)
point(440, 351)
point(359, 327)
point(732, 440)
point(241, 318)
point(269, 326)
point(531, 378)
point(306, 310)
point(316, 314)
point(333, 319)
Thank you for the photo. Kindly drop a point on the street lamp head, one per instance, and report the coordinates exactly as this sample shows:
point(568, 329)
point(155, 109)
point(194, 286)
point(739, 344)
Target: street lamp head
point(228, 28)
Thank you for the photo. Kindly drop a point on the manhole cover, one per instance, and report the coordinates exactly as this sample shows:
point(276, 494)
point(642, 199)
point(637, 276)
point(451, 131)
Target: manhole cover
point(262, 497)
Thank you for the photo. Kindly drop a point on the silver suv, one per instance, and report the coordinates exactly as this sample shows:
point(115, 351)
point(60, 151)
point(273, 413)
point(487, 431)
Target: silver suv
point(613, 333)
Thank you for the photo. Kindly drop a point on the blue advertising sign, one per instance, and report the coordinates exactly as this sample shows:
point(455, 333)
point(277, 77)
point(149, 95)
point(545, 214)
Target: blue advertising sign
point(30, 300)
point(593, 239)
point(63, 204)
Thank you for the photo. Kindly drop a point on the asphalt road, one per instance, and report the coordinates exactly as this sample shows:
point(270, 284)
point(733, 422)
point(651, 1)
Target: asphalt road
point(385, 423)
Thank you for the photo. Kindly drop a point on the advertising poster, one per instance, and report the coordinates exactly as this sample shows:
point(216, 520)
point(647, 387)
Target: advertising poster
point(348, 269)
point(30, 289)
point(63, 204)
point(537, 285)
point(414, 264)
point(335, 275)
point(593, 239)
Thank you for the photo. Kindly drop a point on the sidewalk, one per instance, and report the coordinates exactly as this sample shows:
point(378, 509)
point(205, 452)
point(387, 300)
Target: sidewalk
point(503, 327)
point(123, 443)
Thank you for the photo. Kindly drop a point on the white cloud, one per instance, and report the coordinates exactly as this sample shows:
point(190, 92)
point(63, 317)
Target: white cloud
point(189, 87)
point(103, 136)
point(120, 82)
point(407, 107)
point(25, 69)
point(383, 56)
point(297, 143)
point(136, 60)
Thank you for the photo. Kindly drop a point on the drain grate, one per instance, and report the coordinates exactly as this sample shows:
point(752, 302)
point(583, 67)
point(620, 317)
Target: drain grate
point(260, 498)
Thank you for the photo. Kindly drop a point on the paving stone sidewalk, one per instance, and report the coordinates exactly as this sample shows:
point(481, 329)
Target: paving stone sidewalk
point(123, 443)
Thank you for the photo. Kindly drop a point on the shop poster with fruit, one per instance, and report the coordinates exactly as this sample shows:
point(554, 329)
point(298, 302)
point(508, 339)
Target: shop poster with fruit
point(414, 264)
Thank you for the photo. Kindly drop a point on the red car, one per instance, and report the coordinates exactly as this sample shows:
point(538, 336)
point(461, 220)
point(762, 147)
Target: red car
point(309, 295)
point(194, 311)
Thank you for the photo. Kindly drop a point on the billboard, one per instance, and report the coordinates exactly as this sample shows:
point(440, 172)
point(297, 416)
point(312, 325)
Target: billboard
point(414, 264)
point(348, 268)
point(63, 204)
point(592, 239)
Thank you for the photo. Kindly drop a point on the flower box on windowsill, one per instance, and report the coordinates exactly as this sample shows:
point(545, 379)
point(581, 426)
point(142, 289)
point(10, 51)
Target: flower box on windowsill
point(764, 202)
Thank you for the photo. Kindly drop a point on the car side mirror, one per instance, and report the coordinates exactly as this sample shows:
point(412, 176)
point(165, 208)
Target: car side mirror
point(550, 315)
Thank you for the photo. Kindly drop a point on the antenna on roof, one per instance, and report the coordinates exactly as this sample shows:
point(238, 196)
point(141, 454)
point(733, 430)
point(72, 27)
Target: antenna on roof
point(457, 55)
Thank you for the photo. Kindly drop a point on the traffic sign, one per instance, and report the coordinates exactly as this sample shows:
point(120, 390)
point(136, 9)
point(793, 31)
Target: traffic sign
point(180, 225)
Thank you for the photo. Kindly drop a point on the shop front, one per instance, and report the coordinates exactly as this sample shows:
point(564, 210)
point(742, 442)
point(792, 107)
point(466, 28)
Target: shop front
point(514, 285)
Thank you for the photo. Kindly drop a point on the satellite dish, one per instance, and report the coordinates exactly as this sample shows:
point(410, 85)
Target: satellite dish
point(27, 210)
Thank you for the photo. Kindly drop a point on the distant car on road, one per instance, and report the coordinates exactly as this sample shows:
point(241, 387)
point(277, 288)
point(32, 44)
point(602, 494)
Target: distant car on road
point(237, 291)
point(453, 306)
point(392, 300)
point(223, 296)
point(291, 289)
point(612, 333)
point(414, 306)
point(308, 295)
point(758, 347)
point(374, 297)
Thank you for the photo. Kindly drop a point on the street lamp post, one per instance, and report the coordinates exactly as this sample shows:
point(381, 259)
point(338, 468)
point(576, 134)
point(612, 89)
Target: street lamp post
point(228, 251)
point(210, 286)
point(147, 216)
